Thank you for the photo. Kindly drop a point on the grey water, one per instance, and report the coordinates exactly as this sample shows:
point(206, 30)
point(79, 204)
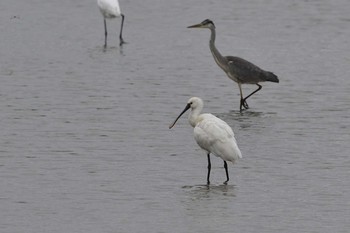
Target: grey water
point(84, 140)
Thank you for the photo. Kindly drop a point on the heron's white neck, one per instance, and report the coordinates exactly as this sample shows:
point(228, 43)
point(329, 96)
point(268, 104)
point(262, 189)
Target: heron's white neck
point(219, 59)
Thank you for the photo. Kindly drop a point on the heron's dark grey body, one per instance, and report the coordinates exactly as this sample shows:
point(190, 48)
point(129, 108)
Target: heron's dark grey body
point(239, 70)
point(245, 72)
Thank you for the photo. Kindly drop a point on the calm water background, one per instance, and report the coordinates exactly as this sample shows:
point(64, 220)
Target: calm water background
point(84, 140)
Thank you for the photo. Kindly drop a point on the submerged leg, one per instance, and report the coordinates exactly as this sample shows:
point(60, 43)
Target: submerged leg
point(225, 166)
point(104, 20)
point(243, 102)
point(121, 31)
point(259, 87)
point(209, 168)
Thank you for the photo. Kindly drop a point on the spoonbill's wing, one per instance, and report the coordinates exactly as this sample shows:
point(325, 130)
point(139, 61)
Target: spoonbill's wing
point(216, 136)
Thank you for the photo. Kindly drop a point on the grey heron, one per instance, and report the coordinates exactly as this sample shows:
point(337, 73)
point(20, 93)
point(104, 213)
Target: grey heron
point(239, 70)
point(212, 134)
point(110, 9)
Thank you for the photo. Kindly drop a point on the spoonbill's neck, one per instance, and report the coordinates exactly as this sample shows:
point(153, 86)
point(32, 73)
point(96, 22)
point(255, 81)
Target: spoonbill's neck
point(194, 116)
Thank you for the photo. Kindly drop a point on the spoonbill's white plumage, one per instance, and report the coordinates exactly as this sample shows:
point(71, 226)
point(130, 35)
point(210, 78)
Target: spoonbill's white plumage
point(110, 9)
point(212, 134)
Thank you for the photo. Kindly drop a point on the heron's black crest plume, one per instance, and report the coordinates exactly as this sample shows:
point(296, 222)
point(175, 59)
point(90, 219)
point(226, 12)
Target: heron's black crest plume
point(207, 21)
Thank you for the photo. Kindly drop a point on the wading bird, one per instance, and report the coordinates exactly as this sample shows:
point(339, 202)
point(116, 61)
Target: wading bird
point(237, 69)
point(110, 9)
point(212, 134)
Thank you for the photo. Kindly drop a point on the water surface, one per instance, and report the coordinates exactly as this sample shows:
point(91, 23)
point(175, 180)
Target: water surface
point(85, 144)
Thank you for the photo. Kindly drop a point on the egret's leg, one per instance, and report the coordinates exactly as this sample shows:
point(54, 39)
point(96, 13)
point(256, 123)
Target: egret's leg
point(121, 31)
point(259, 87)
point(209, 168)
point(225, 166)
point(243, 103)
point(104, 20)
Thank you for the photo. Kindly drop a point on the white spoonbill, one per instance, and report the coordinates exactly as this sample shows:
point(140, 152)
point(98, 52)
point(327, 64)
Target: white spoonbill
point(110, 9)
point(212, 134)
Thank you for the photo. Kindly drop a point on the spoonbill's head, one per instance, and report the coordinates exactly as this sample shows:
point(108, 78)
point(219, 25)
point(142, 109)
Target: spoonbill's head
point(205, 24)
point(192, 103)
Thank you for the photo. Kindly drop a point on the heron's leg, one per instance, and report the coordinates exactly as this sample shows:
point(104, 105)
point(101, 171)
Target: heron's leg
point(225, 166)
point(104, 20)
point(259, 87)
point(209, 168)
point(121, 31)
point(243, 103)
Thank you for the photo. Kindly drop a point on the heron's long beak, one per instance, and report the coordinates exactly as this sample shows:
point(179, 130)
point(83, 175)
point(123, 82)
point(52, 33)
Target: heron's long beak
point(195, 26)
point(188, 106)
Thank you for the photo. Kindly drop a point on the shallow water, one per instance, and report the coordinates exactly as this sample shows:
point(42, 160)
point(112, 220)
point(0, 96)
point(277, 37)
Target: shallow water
point(85, 144)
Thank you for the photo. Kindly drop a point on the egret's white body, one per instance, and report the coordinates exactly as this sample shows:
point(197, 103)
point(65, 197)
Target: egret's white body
point(110, 9)
point(212, 134)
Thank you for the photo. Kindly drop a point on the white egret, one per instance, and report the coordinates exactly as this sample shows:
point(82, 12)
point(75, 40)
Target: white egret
point(239, 70)
point(212, 134)
point(110, 9)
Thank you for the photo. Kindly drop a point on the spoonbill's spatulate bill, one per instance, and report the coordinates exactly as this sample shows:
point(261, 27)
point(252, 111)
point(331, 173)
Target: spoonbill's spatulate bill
point(212, 134)
point(237, 69)
point(110, 9)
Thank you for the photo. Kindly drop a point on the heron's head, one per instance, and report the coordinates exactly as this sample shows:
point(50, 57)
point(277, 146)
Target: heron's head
point(205, 24)
point(192, 103)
